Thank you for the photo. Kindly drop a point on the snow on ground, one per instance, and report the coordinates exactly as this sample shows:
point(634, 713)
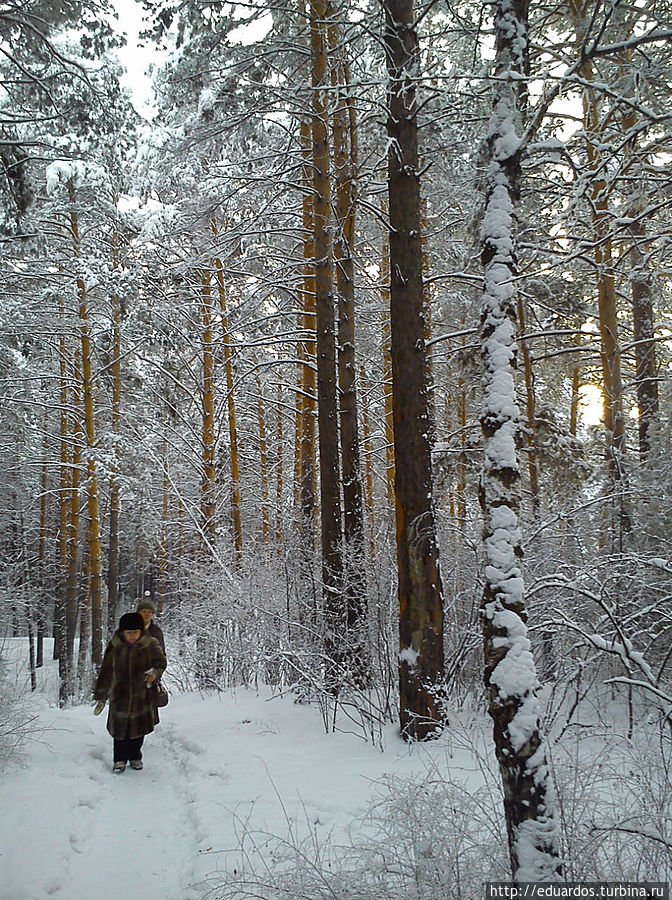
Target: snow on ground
point(216, 768)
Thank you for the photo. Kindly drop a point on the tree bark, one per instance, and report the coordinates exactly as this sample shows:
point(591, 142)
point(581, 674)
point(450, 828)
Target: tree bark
point(263, 463)
point(236, 500)
point(345, 166)
point(646, 369)
point(279, 472)
point(93, 532)
point(369, 493)
point(307, 352)
point(610, 351)
point(208, 485)
point(327, 406)
point(510, 674)
point(421, 666)
point(115, 500)
point(387, 371)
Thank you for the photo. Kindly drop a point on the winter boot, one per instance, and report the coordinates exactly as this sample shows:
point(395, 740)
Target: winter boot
point(118, 767)
point(136, 764)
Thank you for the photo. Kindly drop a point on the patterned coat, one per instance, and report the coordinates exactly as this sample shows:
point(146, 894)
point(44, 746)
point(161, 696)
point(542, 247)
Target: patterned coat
point(122, 680)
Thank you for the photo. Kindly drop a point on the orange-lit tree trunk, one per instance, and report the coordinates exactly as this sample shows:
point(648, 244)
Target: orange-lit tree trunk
point(421, 668)
point(115, 502)
point(93, 533)
point(307, 410)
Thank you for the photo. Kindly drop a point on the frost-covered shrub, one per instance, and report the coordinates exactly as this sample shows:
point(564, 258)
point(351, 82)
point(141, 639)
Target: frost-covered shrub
point(614, 801)
point(421, 838)
point(15, 721)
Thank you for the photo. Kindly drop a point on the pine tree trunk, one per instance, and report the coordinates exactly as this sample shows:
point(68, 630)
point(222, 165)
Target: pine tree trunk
point(93, 532)
point(387, 371)
point(510, 674)
point(307, 444)
point(236, 500)
point(369, 493)
point(531, 411)
point(67, 664)
point(208, 486)
point(115, 500)
point(279, 471)
point(610, 351)
point(646, 374)
point(421, 667)
point(263, 463)
point(165, 511)
point(345, 166)
point(64, 502)
point(42, 552)
point(646, 380)
point(327, 407)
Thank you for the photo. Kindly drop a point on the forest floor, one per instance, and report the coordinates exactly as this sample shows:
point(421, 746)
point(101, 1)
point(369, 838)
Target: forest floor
point(222, 774)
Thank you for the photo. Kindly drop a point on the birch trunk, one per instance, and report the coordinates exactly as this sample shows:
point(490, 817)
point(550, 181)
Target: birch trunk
point(510, 674)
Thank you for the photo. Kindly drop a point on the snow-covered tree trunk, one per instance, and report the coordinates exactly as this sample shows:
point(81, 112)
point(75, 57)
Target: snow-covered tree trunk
point(420, 592)
point(510, 675)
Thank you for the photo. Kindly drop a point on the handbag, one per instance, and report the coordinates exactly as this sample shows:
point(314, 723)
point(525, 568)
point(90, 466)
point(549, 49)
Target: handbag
point(159, 694)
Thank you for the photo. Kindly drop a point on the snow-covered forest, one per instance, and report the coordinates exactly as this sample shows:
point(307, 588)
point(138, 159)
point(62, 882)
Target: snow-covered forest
point(353, 353)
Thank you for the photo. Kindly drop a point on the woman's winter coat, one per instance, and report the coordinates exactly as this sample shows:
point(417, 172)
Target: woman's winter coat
point(122, 680)
point(154, 630)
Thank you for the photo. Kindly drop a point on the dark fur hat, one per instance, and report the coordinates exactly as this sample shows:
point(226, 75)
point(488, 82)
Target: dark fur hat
point(131, 622)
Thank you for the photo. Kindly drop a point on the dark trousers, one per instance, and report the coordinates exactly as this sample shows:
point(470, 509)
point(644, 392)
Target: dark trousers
point(127, 748)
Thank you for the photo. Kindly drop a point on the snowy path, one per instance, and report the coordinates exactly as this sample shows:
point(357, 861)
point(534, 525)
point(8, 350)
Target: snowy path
point(216, 768)
point(105, 829)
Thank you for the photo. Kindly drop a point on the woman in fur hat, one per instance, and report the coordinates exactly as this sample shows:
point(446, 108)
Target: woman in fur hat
point(133, 661)
point(147, 609)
